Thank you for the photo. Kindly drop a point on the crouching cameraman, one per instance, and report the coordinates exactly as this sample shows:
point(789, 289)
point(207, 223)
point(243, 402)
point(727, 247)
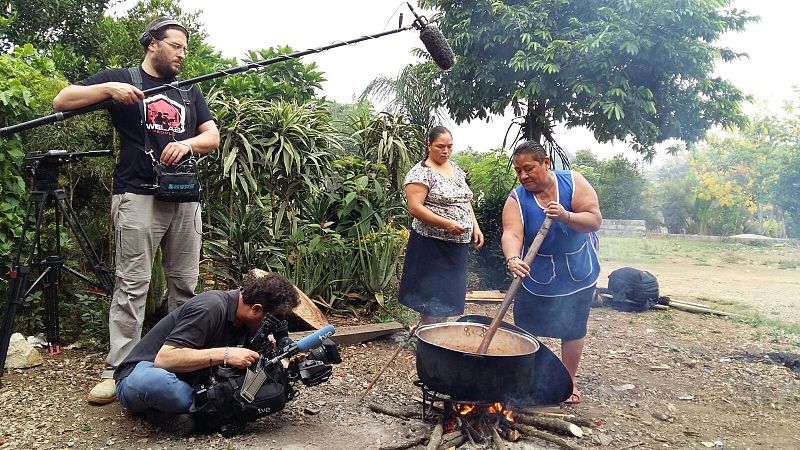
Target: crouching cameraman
point(159, 376)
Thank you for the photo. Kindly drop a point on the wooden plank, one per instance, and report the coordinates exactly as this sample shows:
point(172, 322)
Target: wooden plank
point(485, 294)
point(357, 334)
point(484, 300)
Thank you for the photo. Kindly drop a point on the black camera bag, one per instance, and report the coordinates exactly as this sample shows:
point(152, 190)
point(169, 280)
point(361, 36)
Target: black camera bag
point(178, 184)
point(221, 406)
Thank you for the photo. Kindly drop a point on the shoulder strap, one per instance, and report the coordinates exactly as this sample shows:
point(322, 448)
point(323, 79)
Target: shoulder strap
point(136, 79)
point(185, 94)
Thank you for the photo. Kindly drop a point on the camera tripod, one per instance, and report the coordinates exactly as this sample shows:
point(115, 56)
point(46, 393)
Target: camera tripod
point(47, 195)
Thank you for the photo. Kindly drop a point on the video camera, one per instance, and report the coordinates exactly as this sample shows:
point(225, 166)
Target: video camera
point(44, 165)
point(232, 397)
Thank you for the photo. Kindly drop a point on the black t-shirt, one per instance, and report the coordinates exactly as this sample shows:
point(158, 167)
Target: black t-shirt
point(205, 321)
point(166, 121)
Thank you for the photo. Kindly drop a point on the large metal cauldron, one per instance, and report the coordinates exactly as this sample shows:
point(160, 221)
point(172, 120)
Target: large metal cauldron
point(447, 362)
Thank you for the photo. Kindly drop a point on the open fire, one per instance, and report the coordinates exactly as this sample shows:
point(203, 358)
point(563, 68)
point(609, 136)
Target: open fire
point(489, 424)
point(479, 422)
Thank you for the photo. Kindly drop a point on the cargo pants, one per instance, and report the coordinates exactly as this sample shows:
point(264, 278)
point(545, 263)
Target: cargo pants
point(141, 225)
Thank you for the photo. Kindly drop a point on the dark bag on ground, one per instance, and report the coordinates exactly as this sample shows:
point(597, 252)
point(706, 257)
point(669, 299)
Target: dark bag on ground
point(179, 183)
point(632, 290)
point(218, 404)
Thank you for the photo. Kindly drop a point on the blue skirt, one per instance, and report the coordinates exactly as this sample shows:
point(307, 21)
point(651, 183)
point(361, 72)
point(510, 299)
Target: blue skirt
point(557, 317)
point(434, 280)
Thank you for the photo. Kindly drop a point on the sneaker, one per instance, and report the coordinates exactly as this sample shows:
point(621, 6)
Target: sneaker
point(177, 424)
point(104, 393)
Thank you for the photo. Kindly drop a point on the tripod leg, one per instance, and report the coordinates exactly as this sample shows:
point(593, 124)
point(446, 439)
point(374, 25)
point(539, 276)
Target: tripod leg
point(18, 275)
point(72, 222)
point(16, 294)
point(51, 290)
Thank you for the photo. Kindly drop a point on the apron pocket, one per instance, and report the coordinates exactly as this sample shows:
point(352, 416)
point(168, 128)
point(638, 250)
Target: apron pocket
point(543, 269)
point(579, 263)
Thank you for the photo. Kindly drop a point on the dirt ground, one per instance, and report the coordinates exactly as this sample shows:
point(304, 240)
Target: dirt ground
point(660, 379)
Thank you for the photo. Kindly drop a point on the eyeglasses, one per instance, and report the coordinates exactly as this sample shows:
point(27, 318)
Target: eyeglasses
point(177, 47)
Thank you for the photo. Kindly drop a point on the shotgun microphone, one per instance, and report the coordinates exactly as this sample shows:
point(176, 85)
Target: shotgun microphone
point(437, 46)
point(434, 41)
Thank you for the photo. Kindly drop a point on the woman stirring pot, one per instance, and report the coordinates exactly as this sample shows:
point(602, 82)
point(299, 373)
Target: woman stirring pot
point(557, 288)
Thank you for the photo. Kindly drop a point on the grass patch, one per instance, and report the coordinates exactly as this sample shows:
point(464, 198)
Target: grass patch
point(778, 331)
point(777, 325)
point(633, 250)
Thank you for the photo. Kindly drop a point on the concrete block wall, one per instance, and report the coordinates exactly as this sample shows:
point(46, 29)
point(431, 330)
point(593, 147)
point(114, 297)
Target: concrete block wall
point(619, 227)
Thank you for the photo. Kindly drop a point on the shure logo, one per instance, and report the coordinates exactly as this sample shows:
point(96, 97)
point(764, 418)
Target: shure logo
point(181, 186)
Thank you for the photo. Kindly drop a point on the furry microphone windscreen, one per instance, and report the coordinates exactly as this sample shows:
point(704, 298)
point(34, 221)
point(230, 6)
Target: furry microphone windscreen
point(437, 46)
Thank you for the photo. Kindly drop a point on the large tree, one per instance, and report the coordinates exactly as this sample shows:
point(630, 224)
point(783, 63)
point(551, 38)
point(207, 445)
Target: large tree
point(639, 71)
point(67, 29)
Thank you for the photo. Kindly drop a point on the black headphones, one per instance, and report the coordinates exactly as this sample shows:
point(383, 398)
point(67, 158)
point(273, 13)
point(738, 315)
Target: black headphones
point(147, 36)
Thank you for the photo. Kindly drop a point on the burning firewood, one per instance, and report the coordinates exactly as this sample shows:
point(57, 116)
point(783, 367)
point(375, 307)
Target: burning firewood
point(550, 424)
point(543, 435)
point(436, 437)
point(468, 431)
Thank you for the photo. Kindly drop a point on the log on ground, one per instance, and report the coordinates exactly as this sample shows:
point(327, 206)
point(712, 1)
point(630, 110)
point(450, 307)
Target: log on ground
point(395, 412)
point(550, 423)
point(543, 435)
point(436, 438)
point(413, 442)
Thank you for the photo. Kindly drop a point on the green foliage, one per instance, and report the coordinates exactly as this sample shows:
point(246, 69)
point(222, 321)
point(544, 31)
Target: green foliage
point(674, 195)
point(274, 150)
point(388, 139)
point(238, 239)
point(118, 38)
point(299, 144)
point(66, 29)
point(348, 117)
point(379, 257)
point(21, 76)
point(490, 177)
point(323, 264)
point(289, 80)
point(86, 317)
point(639, 71)
point(737, 175)
point(787, 189)
point(620, 188)
point(157, 291)
point(353, 198)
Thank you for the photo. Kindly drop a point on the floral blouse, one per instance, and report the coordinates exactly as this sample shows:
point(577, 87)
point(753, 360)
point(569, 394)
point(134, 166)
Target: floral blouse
point(447, 197)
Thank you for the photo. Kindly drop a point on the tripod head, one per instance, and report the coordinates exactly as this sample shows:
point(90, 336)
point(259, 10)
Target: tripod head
point(44, 165)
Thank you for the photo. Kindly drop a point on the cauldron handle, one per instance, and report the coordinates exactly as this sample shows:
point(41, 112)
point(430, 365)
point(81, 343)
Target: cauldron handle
point(512, 290)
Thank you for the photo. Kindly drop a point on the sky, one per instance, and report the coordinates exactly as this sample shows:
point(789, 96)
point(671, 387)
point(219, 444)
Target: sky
point(235, 26)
